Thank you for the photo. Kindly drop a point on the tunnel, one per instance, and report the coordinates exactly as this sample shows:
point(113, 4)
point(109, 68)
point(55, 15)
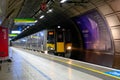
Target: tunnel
point(94, 26)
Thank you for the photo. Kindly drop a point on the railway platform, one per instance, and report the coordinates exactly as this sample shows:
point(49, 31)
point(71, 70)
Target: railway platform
point(30, 65)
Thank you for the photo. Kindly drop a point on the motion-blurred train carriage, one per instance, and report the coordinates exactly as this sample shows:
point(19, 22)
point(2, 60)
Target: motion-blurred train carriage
point(54, 41)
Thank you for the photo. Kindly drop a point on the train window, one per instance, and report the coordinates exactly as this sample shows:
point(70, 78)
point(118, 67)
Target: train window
point(60, 36)
point(50, 37)
point(51, 33)
point(68, 36)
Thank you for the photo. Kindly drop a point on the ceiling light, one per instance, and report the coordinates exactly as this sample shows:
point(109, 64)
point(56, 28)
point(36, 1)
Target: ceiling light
point(15, 32)
point(41, 33)
point(36, 21)
point(28, 26)
point(58, 27)
point(50, 10)
point(42, 16)
point(62, 1)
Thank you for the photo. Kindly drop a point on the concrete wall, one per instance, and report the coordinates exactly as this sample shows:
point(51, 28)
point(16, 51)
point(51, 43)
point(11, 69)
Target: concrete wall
point(111, 12)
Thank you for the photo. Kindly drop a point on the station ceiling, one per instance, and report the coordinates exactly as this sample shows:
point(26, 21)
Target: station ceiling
point(61, 13)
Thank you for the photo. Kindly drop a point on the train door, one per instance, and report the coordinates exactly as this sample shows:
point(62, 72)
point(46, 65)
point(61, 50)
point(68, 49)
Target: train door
point(60, 42)
point(63, 42)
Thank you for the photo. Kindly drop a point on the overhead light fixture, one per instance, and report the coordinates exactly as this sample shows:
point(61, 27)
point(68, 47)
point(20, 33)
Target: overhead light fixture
point(75, 2)
point(62, 1)
point(36, 21)
point(28, 26)
point(12, 35)
point(41, 33)
point(25, 29)
point(22, 30)
point(42, 16)
point(58, 26)
point(50, 10)
point(15, 32)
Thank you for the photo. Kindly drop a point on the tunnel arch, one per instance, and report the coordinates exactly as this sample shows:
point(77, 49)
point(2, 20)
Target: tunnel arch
point(98, 45)
point(109, 9)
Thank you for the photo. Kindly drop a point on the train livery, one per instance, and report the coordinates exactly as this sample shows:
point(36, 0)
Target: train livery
point(54, 41)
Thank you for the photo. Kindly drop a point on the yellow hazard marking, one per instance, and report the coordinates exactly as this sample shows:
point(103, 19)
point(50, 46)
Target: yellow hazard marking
point(90, 69)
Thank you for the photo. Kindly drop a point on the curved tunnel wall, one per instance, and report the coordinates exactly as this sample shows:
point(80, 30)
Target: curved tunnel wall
point(96, 38)
point(94, 30)
point(109, 9)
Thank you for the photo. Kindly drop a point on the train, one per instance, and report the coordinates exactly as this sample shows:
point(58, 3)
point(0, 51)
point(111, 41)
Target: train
point(52, 41)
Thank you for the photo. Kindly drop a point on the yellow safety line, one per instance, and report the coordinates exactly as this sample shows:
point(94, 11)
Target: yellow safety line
point(90, 69)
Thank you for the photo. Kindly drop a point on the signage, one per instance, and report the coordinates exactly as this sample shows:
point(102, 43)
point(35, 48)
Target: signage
point(51, 33)
point(24, 21)
point(3, 42)
point(43, 6)
point(12, 35)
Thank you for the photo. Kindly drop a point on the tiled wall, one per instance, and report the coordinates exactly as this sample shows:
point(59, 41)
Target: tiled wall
point(111, 12)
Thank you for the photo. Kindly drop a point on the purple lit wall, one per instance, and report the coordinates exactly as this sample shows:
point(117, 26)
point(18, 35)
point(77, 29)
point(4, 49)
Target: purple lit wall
point(94, 31)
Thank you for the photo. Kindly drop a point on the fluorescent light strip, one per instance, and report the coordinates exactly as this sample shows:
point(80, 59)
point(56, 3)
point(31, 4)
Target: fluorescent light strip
point(17, 32)
point(62, 1)
point(42, 16)
point(36, 21)
point(50, 10)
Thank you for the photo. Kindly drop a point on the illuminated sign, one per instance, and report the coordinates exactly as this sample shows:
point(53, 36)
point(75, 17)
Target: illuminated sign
point(50, 33)
point(24, 21)
point(12, 35)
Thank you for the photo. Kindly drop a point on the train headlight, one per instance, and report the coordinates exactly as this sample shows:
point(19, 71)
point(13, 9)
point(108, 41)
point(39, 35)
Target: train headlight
point(69, 47)
point(51, 48)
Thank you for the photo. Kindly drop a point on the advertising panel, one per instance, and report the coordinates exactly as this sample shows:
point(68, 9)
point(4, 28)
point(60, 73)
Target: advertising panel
point(3, 42)
point(94, 30)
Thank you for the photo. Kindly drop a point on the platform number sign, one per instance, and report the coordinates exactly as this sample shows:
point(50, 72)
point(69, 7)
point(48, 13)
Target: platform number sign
point(43, 6)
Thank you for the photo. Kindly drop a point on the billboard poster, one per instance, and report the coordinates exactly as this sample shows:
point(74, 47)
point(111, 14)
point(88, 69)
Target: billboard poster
point(3, 42)
point(94, 30)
